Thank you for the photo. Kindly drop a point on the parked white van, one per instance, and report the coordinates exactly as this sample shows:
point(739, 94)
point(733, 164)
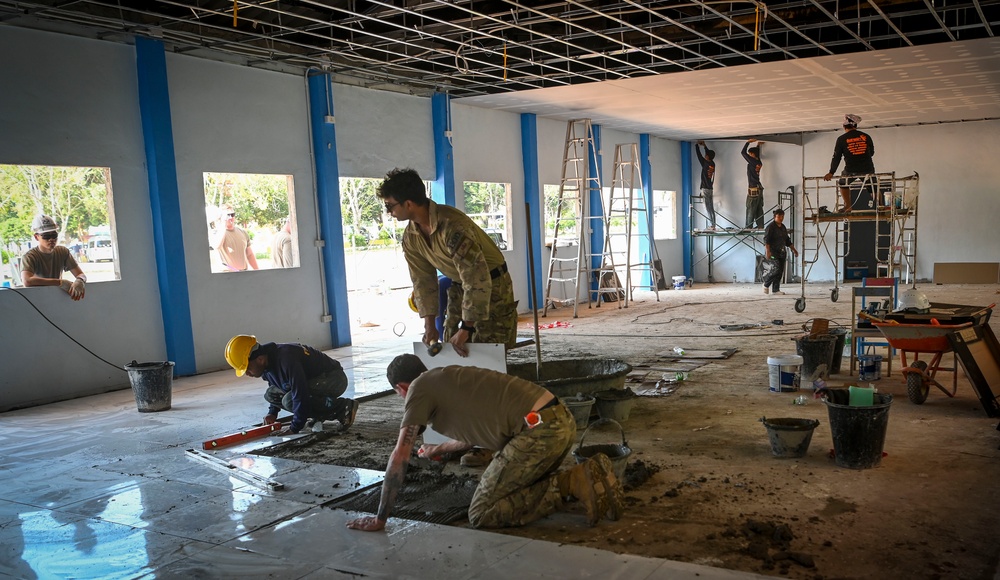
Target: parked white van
point(99, 249)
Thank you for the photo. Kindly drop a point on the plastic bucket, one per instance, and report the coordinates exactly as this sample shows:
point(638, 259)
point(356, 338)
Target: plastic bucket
point(870, 367)
point(815, 352)
point(859, 432)
point(615, 404)
point(617, 453)
point(580, 406)
point(679, 282)
point(838, 349)
point(151, 384)
point(789, 437)
point(784, 372)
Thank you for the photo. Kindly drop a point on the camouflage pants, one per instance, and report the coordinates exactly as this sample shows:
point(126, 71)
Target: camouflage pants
point(501, 327)
point(520, 485)
point(322, 399)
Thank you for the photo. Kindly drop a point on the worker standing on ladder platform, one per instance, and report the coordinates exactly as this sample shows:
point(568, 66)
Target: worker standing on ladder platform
point(857, 150)
point(755, 191)
point(707, 179)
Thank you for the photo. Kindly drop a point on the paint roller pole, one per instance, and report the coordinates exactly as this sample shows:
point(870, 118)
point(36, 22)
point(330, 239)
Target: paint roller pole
point(531, 272)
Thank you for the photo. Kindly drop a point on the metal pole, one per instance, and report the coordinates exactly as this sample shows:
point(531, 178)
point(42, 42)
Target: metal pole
point(534, 296)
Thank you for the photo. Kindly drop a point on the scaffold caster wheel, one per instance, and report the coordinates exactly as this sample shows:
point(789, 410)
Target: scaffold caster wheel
point(800, 305)
point(834, 294)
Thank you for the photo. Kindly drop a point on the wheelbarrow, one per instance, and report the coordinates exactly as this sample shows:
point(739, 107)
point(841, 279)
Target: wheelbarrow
point(932, 339)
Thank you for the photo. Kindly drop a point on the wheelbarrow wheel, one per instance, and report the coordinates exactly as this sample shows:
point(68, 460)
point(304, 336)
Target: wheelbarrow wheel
point(916, 387)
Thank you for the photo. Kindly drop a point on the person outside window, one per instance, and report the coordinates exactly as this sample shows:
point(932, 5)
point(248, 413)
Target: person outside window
point(531, 428)
point(776, 239)
point(232, 243)
point(44, 264)
point(856, 148)
point(755, 191)
point(707, 161)
point(300, 379)
point(281, 246)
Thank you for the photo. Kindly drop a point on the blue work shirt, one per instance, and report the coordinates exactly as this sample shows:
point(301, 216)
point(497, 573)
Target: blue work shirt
point(290, 367)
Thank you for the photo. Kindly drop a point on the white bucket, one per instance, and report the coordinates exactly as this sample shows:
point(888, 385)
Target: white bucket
point(783, 372)
point(679, 282)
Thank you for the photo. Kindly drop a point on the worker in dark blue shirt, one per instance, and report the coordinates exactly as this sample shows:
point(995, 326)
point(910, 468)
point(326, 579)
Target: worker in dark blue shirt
point(755, 191)
point(707, 179)
point(301, 380)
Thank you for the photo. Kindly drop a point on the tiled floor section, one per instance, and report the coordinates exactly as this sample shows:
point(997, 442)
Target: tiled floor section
point(91, 488)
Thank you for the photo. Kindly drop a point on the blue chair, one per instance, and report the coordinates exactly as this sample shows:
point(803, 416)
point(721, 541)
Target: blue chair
point(864, 339)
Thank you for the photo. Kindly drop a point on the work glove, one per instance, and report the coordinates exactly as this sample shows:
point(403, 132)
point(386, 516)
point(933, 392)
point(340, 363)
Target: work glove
point(77, 289)
point(66, 286)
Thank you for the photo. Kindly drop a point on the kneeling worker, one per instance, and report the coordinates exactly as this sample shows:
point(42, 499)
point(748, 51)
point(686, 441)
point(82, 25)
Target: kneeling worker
point(528, 425)
point(301, 380)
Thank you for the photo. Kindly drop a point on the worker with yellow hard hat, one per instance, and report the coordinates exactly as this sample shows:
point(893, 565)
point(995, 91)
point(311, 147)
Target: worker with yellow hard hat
point(301, 380)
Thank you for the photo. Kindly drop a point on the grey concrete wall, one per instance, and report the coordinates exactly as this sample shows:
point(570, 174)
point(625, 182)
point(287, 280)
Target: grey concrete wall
point(75, 102)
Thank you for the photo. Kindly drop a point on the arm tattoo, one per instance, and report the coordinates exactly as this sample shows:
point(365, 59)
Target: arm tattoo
point(395, 473)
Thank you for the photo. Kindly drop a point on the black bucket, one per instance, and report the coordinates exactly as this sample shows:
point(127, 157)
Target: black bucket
point(151, 384)
point(789, 437)
point(838, 349)
point(815, 352)
point(859, 432)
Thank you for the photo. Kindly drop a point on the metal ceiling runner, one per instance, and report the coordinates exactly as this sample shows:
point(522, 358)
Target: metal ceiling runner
point(476, 47)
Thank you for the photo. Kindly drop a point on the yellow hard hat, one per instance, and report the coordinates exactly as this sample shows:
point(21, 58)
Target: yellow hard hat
point(412, 303)
point(238, 352)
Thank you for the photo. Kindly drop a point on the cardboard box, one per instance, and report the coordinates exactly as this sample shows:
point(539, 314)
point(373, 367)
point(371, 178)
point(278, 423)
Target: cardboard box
point(966, 272)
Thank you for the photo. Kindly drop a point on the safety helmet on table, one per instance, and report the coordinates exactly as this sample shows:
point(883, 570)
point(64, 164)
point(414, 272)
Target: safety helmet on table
point(913, 300)
point(238, 352)
point(43, 224)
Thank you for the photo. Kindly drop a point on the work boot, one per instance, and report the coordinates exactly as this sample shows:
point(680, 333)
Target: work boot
point(348, 413)
point(593, 483)
point(477, 457)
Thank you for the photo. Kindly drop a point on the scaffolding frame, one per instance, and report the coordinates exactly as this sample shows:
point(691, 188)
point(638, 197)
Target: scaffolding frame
point(894, 204)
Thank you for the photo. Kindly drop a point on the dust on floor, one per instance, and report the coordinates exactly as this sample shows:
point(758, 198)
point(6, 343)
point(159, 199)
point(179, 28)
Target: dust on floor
point(703, 485)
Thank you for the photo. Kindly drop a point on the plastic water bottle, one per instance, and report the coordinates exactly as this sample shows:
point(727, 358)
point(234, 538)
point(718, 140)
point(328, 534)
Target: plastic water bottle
point(800, 400)
point(678, 350)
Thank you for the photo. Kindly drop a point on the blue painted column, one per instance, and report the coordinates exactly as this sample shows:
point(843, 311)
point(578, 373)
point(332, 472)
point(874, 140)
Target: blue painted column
point(443, 186)
point(536, 205)
point(164, 201)
point(331, 220)
point(686, 183)
point(646, 226)
point(596, 209)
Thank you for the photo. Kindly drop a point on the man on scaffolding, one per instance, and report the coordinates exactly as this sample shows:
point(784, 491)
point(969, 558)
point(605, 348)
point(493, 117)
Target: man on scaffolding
point(857, 150)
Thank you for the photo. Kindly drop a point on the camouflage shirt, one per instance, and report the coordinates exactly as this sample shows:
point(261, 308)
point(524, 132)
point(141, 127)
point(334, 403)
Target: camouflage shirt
point(462, 251)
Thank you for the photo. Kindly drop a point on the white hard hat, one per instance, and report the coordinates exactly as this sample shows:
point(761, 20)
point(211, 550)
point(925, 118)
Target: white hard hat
point(913, 300)
point(43, 224)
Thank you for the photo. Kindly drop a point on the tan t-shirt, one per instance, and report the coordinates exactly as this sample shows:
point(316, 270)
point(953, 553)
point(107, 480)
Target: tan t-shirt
point(476, 406)
point(48, 265)
point(232, 247)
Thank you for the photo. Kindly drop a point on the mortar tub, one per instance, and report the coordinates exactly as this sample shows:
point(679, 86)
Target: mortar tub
point(617, 453)
point(789, 437)
point(566, 378)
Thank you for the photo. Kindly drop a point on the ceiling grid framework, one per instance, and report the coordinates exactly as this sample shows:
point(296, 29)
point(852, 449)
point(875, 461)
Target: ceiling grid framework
point(672, 69)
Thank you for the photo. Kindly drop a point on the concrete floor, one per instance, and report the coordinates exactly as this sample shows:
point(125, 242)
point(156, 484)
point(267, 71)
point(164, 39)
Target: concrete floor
point(91, 488)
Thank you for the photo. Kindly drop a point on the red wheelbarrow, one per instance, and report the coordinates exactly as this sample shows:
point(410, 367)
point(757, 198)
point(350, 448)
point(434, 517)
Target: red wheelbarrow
point(920, 339)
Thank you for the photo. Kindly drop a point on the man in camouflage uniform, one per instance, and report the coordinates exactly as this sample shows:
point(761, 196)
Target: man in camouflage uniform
point(481, 305)
point(528, 425)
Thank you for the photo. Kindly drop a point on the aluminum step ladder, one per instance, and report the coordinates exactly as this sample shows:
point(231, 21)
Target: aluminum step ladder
point(570, 259)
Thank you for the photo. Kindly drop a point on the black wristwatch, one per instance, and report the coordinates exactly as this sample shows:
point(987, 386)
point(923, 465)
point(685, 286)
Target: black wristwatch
point(467, 327)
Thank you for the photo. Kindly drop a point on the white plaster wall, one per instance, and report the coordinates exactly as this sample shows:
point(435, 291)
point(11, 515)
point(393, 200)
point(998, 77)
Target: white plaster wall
point(236, 119)
point(379, 130)
point(665, 165)
point(959, 177)
point(74, 102)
